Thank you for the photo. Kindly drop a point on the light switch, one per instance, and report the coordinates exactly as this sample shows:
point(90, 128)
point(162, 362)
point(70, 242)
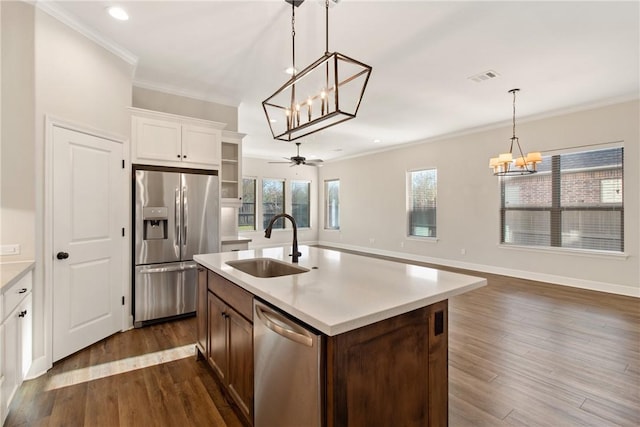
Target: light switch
point(10, 250)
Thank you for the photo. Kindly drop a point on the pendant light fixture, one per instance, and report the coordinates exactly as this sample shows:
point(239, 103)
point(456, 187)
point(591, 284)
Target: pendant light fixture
point(505, 164)
point(325, 93)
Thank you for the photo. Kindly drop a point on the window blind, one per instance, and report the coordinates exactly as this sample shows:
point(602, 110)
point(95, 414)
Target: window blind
point(332, 204)
point(422, 202)
point(574, 201)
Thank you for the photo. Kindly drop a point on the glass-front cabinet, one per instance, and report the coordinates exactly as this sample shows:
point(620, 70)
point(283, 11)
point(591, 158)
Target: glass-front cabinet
point(231, 169)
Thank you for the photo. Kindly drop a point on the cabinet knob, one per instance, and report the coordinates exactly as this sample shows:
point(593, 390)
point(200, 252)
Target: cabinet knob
point(184, 157)
point(22, 291)
point(178, 155)
point(22, 313)
point(62, 255)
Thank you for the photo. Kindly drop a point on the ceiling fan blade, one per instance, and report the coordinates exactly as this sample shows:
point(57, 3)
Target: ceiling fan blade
point(314, 161)
point(280, 162)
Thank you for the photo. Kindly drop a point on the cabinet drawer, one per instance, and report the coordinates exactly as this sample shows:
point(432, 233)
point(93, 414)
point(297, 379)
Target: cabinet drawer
point(16, 293)
point(239, 299)
point(230, 247)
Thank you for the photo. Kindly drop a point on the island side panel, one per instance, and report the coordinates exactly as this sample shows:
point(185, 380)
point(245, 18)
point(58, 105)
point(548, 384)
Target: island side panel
point(439, 364)
point(202, 344)
point(383, 374)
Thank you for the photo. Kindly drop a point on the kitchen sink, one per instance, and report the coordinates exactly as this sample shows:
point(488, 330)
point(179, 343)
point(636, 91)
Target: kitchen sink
point(266, 267)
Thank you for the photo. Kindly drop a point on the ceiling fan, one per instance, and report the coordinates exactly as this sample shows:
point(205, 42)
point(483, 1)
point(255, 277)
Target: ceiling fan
point(298, 160)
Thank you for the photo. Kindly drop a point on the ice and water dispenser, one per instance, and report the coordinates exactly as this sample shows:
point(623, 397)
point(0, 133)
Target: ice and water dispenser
point(155, 223)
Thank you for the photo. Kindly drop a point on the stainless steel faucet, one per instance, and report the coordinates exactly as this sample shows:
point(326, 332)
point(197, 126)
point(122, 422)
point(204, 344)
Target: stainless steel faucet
point(267, 233)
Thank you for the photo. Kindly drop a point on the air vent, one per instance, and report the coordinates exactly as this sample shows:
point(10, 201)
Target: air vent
point(487, 75)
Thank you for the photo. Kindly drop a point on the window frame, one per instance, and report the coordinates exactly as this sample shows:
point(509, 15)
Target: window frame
point(280, 224)
point(308, 184)
point(556, 209)
point(326, 205)
point(255, 205)
point(409, 194)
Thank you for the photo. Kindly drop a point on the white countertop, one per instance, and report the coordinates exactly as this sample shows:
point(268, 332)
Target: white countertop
point(11, 272)
point(346, 291)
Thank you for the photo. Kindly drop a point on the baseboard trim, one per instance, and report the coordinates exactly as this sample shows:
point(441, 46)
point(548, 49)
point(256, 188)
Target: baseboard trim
point(38, 367)
point(521, 274)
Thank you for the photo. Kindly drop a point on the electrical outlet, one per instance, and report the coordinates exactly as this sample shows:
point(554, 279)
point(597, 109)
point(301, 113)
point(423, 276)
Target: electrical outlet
point(402, 244)
point(10, 250)
point(463, 251)
point(372, 240)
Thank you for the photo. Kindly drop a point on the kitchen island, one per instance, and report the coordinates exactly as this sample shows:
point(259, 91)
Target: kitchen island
point(383, 326)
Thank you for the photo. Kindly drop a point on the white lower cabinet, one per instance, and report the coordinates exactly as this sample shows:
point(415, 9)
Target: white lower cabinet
point(2, 404)
point(16, 341)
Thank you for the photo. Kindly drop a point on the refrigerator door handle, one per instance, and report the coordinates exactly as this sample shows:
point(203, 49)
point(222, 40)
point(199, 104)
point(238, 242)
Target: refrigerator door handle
point(176, 215)
point(185, 215)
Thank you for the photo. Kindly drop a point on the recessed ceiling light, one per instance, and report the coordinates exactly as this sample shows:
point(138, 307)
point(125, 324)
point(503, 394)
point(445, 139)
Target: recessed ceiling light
point(290, 70)
point(272, 120)
point(118, 13)
point(376, 140)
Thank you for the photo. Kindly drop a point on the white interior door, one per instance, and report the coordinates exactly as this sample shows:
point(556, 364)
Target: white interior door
point(88, 216)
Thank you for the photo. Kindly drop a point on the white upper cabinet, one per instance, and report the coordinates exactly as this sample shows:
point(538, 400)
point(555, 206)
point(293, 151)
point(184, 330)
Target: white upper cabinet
point(169, 140)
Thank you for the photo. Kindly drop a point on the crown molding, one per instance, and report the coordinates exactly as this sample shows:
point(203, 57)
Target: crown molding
point(70, 21)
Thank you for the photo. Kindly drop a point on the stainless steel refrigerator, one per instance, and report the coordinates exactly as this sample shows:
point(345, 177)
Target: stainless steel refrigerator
point(176, 215)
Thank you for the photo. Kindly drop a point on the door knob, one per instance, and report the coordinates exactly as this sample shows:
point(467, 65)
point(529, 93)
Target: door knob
point(62, 255)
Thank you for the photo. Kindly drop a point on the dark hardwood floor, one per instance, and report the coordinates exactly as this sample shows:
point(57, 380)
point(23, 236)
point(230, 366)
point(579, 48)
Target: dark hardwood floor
point(531, 354)
point(521, 353)
point(142, 377)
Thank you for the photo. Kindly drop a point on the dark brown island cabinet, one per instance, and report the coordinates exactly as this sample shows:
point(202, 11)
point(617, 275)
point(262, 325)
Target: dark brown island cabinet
point(389, 373)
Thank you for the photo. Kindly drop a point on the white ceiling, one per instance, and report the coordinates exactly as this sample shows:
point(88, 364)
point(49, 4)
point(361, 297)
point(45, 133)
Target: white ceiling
point(563, 55)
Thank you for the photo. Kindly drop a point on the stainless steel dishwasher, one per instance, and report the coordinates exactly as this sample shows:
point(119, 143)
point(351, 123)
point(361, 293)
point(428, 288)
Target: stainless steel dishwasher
point(288, 371)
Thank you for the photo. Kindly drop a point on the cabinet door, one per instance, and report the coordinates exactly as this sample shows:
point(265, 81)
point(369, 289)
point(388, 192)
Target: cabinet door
point(201, 312)
point(2, 380)
point(156, 140)
point(10, 358)
point(25, 332)
point(240, 378)
point(200, 145)
point(217, 355)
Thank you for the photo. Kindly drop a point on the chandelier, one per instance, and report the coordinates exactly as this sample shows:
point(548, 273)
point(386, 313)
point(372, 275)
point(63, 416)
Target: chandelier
point(323, 94)
point(505, 164)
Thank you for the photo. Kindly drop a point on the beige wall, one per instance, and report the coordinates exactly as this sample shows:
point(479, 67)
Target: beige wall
point(373, 201)
point(17, 193)
point(183, 106)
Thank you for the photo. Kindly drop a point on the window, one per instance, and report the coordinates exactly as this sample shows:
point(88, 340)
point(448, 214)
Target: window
point(272, 201)
point(574, 201)
point(422, 196)
point(301, 203)
point(332, 204)
point(247, 212)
